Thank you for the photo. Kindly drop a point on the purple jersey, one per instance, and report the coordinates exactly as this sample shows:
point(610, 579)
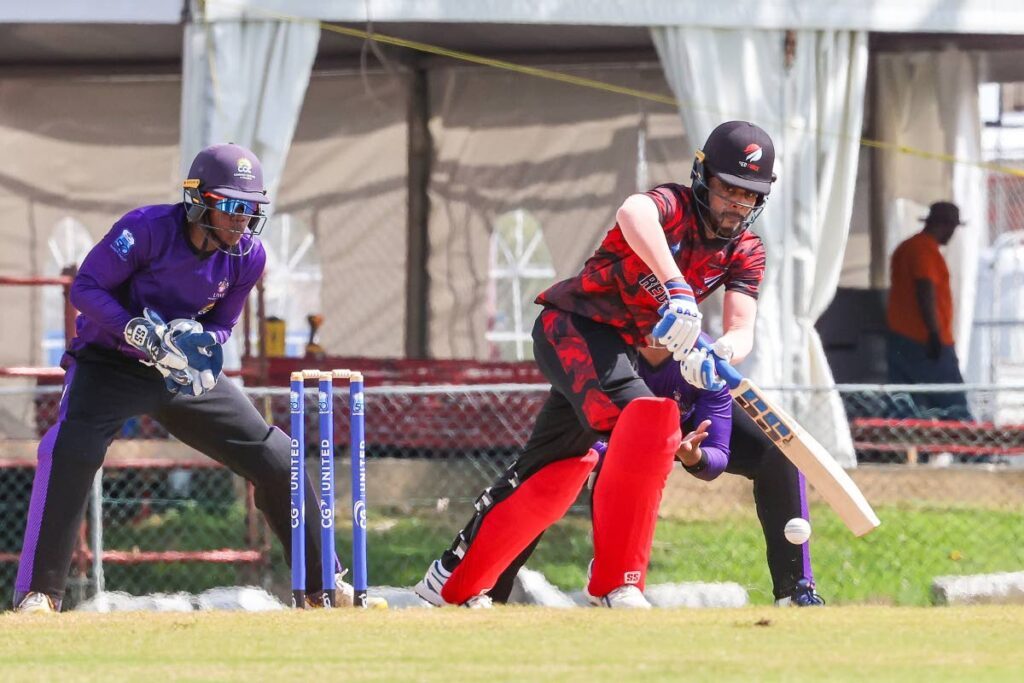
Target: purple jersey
point(695, 406)
point(147, 260)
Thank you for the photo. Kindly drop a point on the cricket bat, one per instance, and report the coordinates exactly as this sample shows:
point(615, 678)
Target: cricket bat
point(827, 477)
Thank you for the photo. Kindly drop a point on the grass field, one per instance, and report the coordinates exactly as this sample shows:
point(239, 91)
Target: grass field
point(521, 644)
point(894, 565)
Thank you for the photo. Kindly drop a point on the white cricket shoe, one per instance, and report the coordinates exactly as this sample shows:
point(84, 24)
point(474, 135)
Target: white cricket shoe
point(36, 603)
point(429, 587)
point(623, 597)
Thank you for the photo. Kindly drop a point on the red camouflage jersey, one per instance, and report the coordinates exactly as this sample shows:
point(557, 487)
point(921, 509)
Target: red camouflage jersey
point(617, 288)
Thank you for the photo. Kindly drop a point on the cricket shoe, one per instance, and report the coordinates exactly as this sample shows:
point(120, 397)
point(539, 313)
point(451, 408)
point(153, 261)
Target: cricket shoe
point(626, 596)
point(36, 603)
point(623, 597)
point(429, 587)
point(803, 595)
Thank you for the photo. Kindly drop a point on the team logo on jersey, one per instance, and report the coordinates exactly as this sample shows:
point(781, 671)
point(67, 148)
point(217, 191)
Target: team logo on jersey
point(244, 169)
point(753, 152)
point(123, 244)
point(222, 289)
point(654, 288)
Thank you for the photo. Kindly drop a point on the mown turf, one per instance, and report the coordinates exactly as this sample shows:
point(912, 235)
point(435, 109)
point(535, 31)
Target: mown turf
point(895, 564)
point(521, 644)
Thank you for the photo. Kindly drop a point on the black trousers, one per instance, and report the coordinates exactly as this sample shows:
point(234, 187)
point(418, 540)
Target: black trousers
point(103, 389)
point(779, 495)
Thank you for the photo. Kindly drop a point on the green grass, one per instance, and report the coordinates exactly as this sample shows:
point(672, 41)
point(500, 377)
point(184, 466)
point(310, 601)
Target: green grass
point(521, 644)
point(893, 565)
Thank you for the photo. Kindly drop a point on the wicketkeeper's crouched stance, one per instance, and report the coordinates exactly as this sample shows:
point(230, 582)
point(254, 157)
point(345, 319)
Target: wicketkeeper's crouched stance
point(194, 264)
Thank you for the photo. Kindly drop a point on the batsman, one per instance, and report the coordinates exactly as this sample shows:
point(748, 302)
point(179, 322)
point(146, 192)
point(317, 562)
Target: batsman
point(670, 248)
point(158, 296)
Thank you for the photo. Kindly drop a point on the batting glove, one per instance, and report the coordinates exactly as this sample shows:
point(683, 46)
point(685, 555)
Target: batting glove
point(679, 326)
point(698, 366)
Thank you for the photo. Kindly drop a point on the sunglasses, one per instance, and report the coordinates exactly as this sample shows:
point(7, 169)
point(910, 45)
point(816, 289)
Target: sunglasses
point(233, 206)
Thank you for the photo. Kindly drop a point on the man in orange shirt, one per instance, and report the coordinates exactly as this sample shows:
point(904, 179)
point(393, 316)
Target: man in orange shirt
point(920, 315)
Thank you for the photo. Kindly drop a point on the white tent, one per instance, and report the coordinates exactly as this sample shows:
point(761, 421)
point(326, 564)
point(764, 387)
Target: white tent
point(799, 68)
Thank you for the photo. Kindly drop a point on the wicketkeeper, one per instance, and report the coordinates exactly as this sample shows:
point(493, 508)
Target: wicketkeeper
point(158, 295)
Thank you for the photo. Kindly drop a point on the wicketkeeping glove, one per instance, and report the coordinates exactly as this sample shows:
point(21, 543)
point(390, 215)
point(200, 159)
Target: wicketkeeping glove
point(147, 334)
point(679, 326)
point(204, 355)
point(187, 358)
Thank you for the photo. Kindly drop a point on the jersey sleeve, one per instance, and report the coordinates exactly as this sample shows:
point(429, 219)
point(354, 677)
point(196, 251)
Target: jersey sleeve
point(717, 407)
point(746, 268)
point(671, 205)
point(108, 266)
point(221, 320)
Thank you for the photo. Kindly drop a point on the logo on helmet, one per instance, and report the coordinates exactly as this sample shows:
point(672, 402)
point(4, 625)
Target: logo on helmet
point(753, 152)
point(245, 169)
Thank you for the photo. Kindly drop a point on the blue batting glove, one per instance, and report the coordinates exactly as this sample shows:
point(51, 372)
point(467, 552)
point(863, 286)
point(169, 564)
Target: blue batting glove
point(699, 369)
point(679, 326)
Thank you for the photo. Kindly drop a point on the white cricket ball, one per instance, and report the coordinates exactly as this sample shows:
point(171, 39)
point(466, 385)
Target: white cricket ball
point(797, 531)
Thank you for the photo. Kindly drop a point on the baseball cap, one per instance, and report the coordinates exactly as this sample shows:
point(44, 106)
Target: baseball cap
point(741, 154)
point(231, 171)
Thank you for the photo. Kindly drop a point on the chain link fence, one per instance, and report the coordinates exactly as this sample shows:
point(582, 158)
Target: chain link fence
point(1005, 199)
point(949, 489)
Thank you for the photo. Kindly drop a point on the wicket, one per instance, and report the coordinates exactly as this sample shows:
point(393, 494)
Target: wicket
point(357, 447)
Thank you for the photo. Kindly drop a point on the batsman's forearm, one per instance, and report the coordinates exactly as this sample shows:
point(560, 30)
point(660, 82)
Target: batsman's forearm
point(739, 313)
point(641, 228)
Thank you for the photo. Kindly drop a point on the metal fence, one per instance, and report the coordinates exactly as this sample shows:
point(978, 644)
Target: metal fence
point(948, 488)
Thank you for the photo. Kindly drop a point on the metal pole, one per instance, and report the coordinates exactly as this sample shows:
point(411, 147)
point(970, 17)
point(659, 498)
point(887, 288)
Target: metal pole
point(96, 531)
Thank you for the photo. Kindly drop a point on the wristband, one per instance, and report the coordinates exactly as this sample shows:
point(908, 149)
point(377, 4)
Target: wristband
point(678, 289)
point(700, 466)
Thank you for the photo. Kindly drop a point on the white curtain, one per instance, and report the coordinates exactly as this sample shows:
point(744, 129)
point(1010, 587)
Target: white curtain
point(244, 82)
point(929, 101)
point(812, 108)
